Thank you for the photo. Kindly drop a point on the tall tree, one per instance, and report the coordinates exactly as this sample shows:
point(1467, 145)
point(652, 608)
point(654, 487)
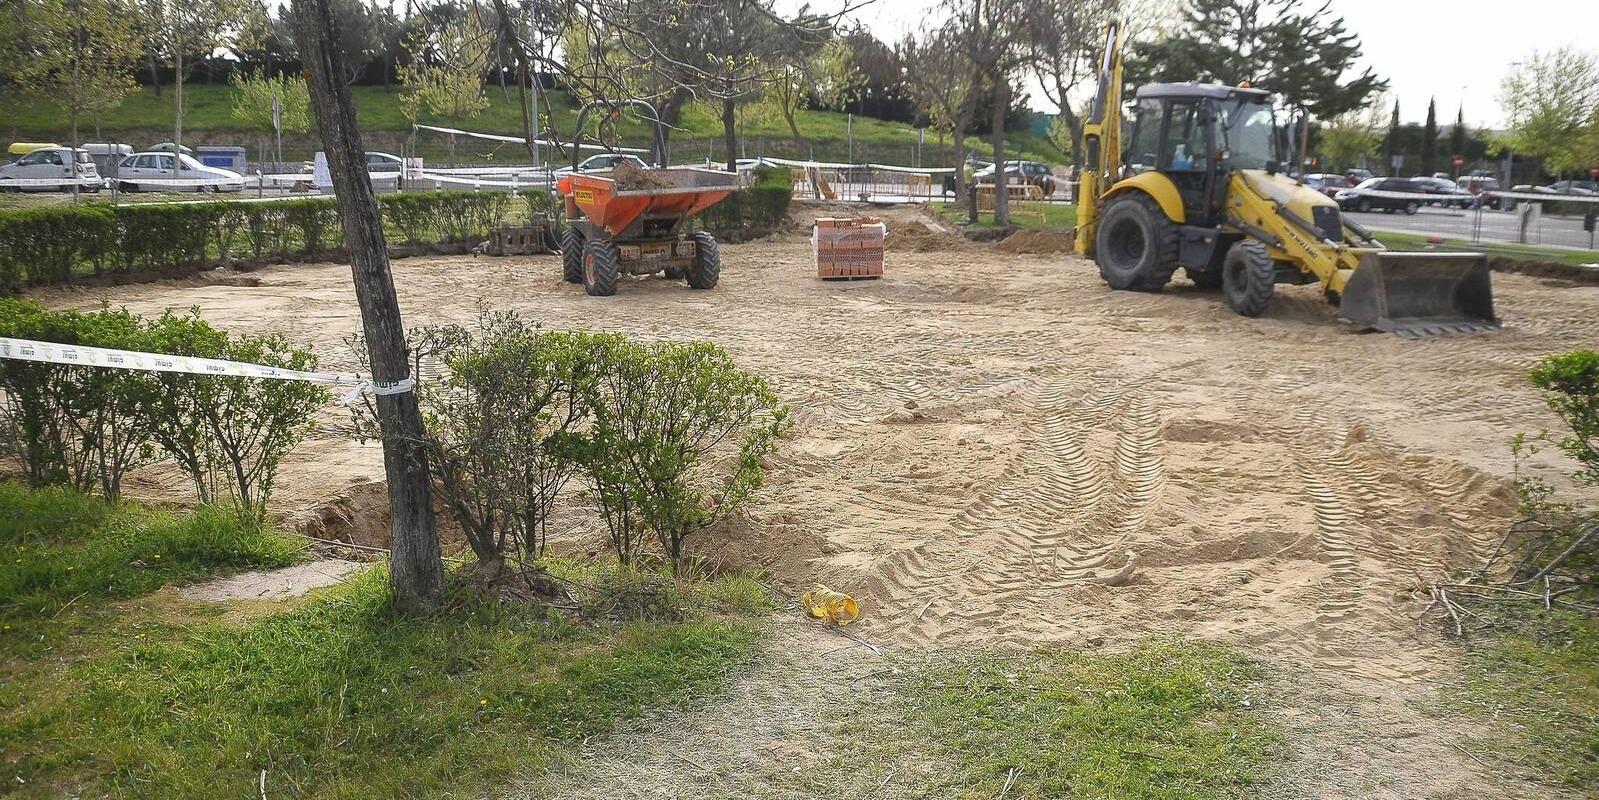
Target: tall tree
point(179, 30)
point(1390, 142)
point(415, 567)
point(79, 55)
point(1458, 136)
point(996, 55)
point(1429, 139)
point(1549, 99)
point(941, 79)
point(1062, 38)
point(447, 64)
point(1302, 52)
point(1348, 139)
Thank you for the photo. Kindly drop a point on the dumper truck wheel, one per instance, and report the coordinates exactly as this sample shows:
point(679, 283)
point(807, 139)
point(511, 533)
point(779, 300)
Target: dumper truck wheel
point(1136, 245)
point(1248, 278)
point(572, 256)
point(707, 267)
point(602, 267)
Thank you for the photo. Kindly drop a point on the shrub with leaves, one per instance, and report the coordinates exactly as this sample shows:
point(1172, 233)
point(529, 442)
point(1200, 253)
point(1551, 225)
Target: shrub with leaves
point(1571, 388)
point(676, 440)
point(495, 420)
point(232, 432)
point(83, 427)
point(87, 427)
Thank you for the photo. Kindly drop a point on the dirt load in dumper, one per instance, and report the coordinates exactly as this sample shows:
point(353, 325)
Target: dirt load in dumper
point(632, 220)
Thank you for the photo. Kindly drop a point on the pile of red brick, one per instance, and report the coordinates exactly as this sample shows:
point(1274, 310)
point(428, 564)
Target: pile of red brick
point(848, 248)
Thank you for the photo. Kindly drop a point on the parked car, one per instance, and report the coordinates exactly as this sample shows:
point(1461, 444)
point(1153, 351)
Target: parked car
point(1327, 184)
point(1030, 172)
point(1580, 188)
point(1366, 197)
point(383, 163)
point(1358, 176)
point(603, 161)
point(1452, 196)
point(146, 171)
point(61, 166)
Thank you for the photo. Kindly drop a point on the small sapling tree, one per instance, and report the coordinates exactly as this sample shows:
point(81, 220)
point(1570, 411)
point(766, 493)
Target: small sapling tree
point(496, 420)
point(676, 441)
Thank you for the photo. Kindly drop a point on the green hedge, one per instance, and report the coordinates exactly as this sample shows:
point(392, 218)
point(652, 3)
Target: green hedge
point(753, 210)
point(42, 246)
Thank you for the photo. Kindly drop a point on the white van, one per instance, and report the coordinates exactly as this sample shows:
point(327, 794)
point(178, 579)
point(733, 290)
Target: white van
point(51, 169)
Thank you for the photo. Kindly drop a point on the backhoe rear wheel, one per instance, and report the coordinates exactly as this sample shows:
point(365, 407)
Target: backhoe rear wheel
point(1136, 244)
point(572, 255)
point(1248, 278)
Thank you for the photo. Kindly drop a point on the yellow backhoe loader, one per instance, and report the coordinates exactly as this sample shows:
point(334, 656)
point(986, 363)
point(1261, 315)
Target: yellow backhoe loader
point(1199, 186)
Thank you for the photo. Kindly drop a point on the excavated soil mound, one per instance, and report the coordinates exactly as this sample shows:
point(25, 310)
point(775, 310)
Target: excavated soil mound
point(1041, 242)
point(629, 176)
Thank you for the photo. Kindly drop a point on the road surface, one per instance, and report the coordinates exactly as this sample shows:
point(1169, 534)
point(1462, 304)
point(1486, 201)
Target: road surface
point(1496, 226)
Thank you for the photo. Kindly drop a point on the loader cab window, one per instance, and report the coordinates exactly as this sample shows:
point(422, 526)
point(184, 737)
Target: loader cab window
point(1185, 149)
point(1246, 133)
point(1143, 147)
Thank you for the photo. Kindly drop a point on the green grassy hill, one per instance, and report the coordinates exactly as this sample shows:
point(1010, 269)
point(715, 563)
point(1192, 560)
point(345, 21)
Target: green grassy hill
point(144, 119)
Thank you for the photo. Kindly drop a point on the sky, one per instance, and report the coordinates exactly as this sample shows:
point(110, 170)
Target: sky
point(1454, 50)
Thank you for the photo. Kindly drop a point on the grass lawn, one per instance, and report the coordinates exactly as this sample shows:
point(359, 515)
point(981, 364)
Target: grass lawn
point(333, 696)
point(1416, 241)
point(1170, 720)
point(143, 118)
point(1539, 694)
point(1056, 217)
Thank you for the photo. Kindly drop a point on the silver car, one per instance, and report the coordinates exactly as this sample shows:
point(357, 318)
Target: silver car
point(51, 169)
point(157, 172)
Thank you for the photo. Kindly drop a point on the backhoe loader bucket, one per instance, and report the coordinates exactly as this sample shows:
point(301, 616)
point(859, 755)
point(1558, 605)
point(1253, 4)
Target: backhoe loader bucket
point(1420, 294)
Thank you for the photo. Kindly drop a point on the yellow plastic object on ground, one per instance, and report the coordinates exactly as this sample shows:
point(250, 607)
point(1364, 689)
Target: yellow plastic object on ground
point(836, 607)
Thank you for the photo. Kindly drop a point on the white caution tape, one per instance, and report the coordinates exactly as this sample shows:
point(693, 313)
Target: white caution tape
point(785, 162)
point(1548, 198)
point(78, 355)
point(496, 137)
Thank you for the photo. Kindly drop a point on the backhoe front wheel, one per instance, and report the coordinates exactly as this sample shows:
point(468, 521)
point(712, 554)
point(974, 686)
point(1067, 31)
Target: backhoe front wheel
point(1135, 244)
point(602, 267)
point(1248, 277)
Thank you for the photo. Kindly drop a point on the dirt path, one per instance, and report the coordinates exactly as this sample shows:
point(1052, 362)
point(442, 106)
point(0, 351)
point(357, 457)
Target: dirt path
point(995, 450)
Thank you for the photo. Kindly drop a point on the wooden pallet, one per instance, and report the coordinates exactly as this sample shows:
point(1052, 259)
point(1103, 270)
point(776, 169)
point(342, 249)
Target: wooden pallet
point(520, 240)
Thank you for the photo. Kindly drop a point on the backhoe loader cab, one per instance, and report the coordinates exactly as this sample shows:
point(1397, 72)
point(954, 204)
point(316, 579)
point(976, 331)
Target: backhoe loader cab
point(1195, 182)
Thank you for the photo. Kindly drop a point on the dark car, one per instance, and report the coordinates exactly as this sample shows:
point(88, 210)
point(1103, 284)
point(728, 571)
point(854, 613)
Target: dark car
point(1327, 184)
point(1017, 172)
point(1379, 194)
point(1452, 196)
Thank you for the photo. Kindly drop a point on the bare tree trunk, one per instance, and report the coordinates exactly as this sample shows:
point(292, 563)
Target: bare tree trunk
point(177, 117)
point(965, 193)
point(155, 74)
point(415, 568)
point(672, 112)
point(524, 67)
point(728, 134)
point(1001, 196)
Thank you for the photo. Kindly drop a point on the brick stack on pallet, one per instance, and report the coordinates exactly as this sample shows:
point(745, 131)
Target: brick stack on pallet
point(848, 248)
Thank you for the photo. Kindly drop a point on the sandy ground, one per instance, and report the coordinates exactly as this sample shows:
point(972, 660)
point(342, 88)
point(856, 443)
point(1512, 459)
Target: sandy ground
point(994, 450)
point(273, 584)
